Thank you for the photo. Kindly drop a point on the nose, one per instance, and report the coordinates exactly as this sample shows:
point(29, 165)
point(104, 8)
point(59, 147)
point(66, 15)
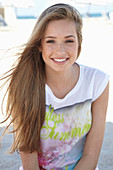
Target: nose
point(60, 48)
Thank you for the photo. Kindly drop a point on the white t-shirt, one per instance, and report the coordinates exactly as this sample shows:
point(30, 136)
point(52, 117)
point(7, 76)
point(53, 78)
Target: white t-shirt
point(68, 120)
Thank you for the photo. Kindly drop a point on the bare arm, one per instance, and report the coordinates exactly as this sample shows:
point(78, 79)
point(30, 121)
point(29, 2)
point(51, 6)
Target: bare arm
point(29, 161)
point(95, 136)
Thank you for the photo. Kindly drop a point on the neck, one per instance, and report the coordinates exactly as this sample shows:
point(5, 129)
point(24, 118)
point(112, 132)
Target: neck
point(61, 83)
point(59, 78)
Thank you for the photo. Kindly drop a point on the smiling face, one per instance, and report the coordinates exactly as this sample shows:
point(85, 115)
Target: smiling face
point(59, 45)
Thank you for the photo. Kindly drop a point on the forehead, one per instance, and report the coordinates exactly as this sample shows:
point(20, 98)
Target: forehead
point(63, 26)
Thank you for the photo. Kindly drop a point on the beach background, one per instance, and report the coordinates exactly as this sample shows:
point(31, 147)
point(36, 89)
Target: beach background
point(97, 51)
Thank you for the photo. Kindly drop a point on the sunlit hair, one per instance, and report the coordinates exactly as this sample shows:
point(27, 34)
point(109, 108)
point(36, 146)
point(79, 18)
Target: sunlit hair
point(26, 90)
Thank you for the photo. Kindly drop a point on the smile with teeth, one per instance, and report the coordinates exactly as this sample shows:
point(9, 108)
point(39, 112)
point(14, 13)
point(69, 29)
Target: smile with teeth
point(59, 60)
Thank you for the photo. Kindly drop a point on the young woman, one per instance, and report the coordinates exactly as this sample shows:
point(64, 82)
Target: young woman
point(57, 106)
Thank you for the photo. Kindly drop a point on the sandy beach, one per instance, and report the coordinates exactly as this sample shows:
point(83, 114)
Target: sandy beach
point(97, 51)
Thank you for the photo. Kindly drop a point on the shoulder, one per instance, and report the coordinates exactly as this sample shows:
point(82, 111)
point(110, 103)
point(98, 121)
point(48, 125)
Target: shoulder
point(94, 79)
point(90, 73)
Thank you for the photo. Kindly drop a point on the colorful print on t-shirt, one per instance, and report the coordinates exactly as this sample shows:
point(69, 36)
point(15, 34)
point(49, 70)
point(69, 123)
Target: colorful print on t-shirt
point(60, 133)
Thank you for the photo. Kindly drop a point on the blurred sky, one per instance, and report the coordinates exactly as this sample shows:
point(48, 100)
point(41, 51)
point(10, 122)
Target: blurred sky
point(40, 5)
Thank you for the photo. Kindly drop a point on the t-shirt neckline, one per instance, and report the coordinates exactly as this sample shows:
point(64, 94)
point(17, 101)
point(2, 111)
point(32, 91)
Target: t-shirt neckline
point(75, 88)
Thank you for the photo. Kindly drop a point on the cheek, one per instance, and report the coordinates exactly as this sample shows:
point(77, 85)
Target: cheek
point(46, 53)
point(73, 50)
point(47, 49)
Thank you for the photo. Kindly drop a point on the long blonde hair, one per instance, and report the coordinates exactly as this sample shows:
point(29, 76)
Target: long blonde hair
point(26, 90)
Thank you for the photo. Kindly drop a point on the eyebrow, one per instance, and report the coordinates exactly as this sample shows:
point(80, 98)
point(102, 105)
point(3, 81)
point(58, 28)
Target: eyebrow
point(68, 36)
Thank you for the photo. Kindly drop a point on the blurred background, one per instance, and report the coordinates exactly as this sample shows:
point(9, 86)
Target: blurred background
point(29, 9)
point(17, 19)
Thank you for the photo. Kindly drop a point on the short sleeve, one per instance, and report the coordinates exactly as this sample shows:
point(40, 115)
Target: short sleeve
point(101, 80)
